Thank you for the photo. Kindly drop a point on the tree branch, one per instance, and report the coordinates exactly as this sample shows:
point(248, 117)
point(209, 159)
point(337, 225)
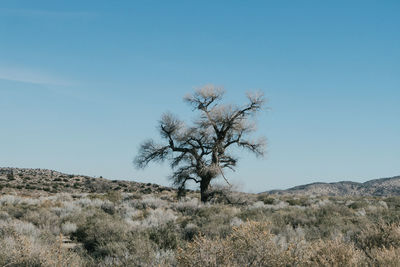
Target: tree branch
point(149, 151)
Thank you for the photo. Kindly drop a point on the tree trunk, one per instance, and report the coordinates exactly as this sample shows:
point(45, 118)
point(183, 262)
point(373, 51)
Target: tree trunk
point(204, 184)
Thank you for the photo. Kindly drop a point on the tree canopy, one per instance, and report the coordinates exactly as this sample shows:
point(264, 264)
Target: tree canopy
point(201, 151)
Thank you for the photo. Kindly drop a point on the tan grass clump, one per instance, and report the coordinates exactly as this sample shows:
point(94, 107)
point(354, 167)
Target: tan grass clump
point(20, 250)
point(389, 257)
point(250, 244)
point(335, 253)
point(253, 244)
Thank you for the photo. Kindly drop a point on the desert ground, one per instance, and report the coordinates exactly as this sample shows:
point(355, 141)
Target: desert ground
point(47, 220)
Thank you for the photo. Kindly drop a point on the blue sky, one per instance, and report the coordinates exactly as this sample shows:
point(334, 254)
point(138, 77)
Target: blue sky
point(82, 83)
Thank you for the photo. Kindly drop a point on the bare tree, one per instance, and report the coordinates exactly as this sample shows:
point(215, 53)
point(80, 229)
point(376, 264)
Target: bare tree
point(201, 152)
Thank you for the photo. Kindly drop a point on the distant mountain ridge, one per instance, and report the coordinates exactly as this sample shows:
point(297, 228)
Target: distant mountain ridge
point(376, 187)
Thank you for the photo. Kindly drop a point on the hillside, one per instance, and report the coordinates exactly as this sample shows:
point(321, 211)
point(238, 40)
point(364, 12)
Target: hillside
point(36, 180)
point(377, 187)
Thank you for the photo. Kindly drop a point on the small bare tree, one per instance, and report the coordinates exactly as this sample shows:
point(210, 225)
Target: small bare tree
point(202, 151)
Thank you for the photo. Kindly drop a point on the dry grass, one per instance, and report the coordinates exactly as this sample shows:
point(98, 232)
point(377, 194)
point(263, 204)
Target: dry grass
point(253, 244)
point(132, 229)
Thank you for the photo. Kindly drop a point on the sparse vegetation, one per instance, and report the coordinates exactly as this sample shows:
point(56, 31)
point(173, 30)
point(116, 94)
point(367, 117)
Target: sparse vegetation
point(154, 228)
point(38, 180)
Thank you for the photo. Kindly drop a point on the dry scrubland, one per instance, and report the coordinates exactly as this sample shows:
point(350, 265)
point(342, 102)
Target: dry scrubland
point(139, 229)
point(48, 218)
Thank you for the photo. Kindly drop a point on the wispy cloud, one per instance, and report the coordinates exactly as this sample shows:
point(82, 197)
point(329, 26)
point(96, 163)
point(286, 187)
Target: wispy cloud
point(26, 75)
point(46, 13)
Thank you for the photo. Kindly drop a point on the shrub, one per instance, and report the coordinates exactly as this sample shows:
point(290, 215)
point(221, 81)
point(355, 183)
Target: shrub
point(190, 231)
point(68, 228)
point(98, 231)
point(335, 253)
point(386, 257)
point(251, 244)
point(108, 207)
point(43, 219)
point(380, 235)
point(30, 187)
point(357, 205)
point(110, 242)
point(164, 236)
point(297, 201)
point(10, 177)
point(266, 199)
point(9, 200)
point(152, 202)
point(25, 228)
point(187, 207)
point(114, 196)
point(158, 217)
point(21, 250)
